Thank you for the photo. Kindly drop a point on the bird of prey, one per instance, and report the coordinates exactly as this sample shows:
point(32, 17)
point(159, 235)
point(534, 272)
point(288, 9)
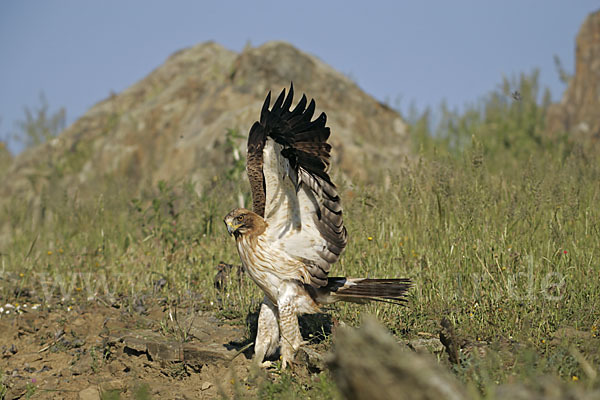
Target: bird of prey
point(295, 231)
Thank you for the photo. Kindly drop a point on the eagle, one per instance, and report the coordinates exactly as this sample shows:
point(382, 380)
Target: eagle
point(295, 231)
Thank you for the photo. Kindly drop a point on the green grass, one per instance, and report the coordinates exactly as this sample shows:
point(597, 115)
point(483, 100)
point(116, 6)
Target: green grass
point(498, 227)
point(289, 387)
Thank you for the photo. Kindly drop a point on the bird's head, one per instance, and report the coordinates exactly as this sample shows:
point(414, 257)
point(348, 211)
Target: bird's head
point(241, 222)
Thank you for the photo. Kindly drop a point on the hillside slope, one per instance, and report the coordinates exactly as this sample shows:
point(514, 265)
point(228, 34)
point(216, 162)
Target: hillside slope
point(172, 124)
point(578, 113)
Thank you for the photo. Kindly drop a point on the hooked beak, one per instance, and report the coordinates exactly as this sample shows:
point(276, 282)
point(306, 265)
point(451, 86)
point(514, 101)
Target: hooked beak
point(230, 227)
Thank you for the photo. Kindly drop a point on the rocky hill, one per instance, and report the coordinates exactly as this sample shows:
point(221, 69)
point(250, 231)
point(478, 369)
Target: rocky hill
point(579, 110)
point(5, 159)
point(172, 124)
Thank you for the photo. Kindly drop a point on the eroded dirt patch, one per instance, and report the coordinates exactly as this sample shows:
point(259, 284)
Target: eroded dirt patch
point(93, 349)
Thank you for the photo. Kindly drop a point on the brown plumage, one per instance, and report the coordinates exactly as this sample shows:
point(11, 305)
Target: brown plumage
point(303, 146)
point(296, 231)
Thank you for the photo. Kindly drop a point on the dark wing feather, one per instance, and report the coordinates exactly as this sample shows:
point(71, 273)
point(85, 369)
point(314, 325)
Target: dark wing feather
point(254, 165)
point(302, 142)
point(386, 290)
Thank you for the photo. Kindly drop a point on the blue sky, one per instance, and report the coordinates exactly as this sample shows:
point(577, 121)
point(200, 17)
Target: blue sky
point(77, 52)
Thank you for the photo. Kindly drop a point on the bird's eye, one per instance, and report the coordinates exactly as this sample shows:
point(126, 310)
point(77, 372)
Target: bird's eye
point(239, 218)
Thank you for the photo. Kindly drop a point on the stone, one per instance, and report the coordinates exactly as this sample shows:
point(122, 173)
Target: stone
point(159, 348)
point(368, 363)
point(313, 360)
point(578, 113)
point(90, 393)
point(433, 345)
point(113, 385)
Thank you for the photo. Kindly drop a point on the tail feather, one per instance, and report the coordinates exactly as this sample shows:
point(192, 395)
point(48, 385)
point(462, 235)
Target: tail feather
point(362, 290)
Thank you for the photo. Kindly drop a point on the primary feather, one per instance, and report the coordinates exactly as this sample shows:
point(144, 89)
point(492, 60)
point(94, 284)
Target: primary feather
point(288, 158)
point(296, 231)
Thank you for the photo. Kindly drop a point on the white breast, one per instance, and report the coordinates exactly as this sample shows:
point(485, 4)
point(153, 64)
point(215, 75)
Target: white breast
point(268, 266)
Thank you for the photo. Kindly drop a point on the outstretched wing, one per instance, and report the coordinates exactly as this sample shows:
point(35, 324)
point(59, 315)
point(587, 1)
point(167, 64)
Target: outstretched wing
point(287, 164)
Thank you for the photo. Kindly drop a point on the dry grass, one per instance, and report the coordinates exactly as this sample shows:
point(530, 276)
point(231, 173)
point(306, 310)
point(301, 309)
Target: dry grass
point(501, 236)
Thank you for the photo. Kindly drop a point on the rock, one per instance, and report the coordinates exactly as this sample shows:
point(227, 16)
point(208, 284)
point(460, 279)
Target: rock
point(368, 364)
point(118, 366)
point(206, 353)
point(7, 352)
point(313, 360)
point(82, 366)
point(432, 345)
point(157, 347)
point(172, 125)
point(6, 158)
point(578, 113)
point(206, 385)
point(112, 386)
point(91, 393)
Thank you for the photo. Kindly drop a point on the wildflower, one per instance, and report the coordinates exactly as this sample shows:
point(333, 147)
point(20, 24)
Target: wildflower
point(543, 341)
point(565, 252)
point(400, 244)
point(575, 378)
point(21, 274)
point(370, 238)
point(33, 380)
point(49, 252)
point(78, 289)
point(60, 251)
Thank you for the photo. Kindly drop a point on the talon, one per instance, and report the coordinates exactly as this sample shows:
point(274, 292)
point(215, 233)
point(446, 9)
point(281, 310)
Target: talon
point(291, 364)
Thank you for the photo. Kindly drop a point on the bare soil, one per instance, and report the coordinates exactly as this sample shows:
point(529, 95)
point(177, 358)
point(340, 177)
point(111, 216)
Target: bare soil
point(144, 349)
